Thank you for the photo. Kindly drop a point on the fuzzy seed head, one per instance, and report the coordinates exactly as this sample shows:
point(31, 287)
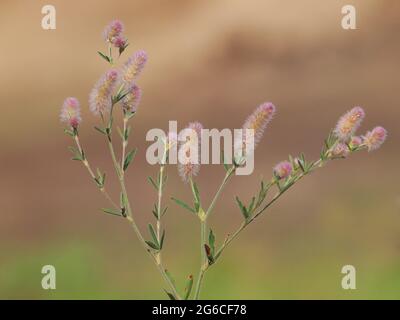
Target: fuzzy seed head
point(71, 112)
point(259, 120)
point(340, 150)
point(101, 95)
point(349, 123)
point(189, 169)
point(283, 169)
point(375, 138)
point(131, 101)
point(134, 66)
point(113, 30)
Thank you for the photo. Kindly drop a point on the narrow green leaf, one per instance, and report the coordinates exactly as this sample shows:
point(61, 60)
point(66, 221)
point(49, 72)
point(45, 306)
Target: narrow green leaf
point(77, 154)
point(126, 133)
point(152, 245)
point(242, 208)
point(129, 158)
point(183, 205)
point(164, 211)
point(153, 234)
point(211, 241)
point(122, 48)
point(251, 205)
point(195, 191)
point(69, 132)
point(123, 201)
point(105, 57)
point(150, 179)
point(101, 130)
point(111, 211)
point(170, 295)
point(162, 240)
point(188, 287)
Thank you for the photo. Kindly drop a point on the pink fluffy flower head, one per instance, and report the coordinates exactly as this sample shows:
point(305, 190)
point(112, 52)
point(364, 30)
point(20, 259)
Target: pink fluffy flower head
point(356, 141)
point(259, 120)
point(132, 99)
point(375, 138)
point(340, 150)
point(119, 42)
point(283, 169)
point(113, 30)
point(349, 123)
point(134, 66)
point(190, 169)
point(71, 112)
point(101, 95)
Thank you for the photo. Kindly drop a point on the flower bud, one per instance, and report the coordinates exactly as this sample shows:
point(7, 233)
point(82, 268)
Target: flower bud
point(283, 170)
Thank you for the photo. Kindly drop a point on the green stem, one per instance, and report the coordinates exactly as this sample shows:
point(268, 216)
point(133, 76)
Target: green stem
point(318, 163)
point(204, 262)
point(124, 144)
point(221, 187)
point(203, 233)
point(91, 173)
point(132, 221)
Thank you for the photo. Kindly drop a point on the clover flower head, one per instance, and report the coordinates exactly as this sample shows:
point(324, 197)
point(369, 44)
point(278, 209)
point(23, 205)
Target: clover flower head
point(349, 123)
point(134, 66)
point(101, 95)
point(259, 120)
point(375, 138)
point(340, 150)
point(119, 42)
point(71, 112)
point(189, 169)
point(113, 30)
point(283, 169)
point(356, 141)
point(132, 99)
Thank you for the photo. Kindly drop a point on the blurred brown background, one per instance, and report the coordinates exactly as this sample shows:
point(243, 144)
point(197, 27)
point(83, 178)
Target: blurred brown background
point(211, 61)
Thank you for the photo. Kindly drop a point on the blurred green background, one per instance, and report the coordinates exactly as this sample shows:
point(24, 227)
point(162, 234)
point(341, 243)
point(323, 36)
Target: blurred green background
point(212, 61)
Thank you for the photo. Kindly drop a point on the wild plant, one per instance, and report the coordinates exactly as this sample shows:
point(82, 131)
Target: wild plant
point(117, 91)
